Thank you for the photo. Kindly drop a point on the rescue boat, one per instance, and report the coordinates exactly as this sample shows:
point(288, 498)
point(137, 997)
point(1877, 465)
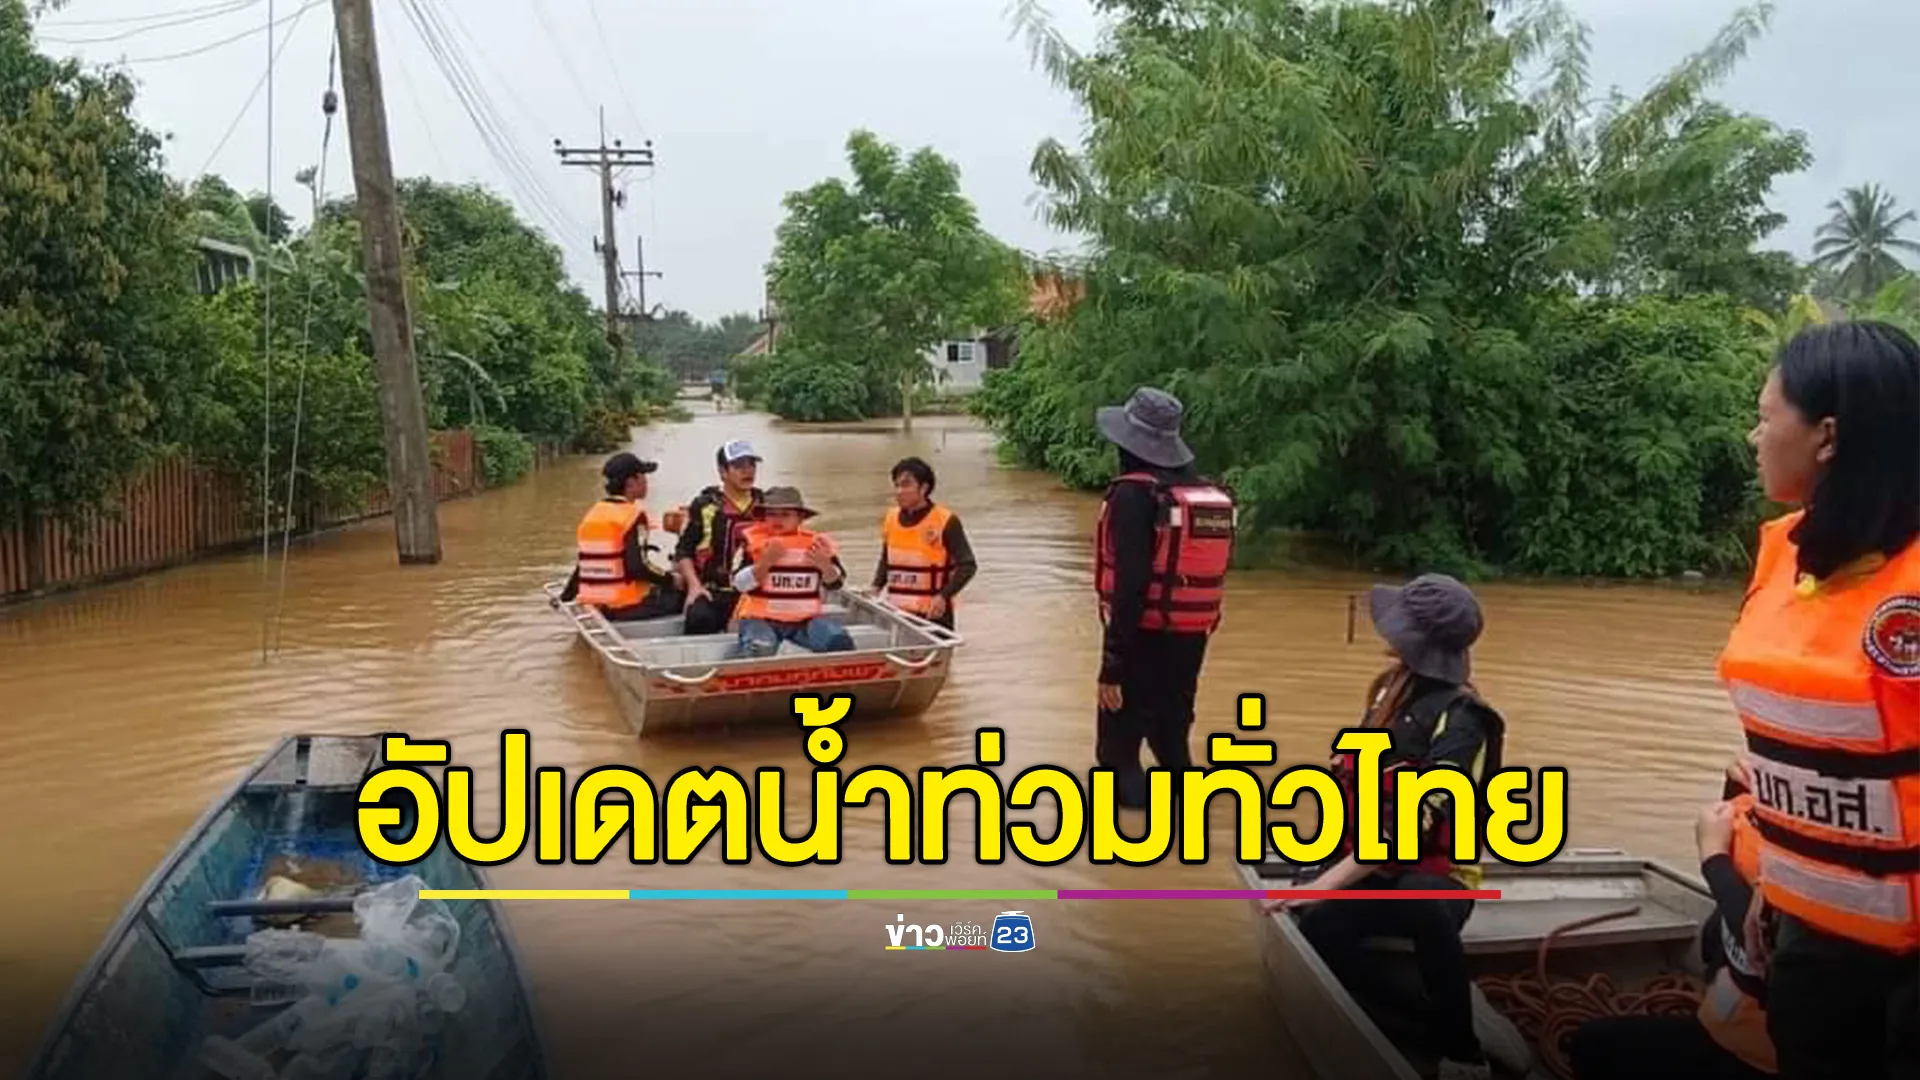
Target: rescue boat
point(179, 987)
point(665, 679)
point(1590, 932)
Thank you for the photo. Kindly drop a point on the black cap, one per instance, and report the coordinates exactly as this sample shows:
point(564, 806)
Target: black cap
point(623, 466)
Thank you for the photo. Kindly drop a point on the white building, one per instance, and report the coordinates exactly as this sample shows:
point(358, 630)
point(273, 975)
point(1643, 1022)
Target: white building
point(961, 365)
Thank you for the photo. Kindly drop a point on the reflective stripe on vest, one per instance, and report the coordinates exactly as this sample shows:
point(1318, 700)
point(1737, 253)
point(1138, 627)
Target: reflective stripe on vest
point(791, 591)
point(713, 558)
point(1192, 545)
point(916, 559)
point(1827, 686)
point(601, 544)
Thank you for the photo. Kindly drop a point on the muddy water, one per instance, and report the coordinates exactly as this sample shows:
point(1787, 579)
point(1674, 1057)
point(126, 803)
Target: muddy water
point(125, 710)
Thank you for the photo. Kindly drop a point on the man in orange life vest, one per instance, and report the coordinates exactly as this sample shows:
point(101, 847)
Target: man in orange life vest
point(611, 570)
point(925, 559)
point(1161, 550)
point(1726, 1038)
point(783, 584)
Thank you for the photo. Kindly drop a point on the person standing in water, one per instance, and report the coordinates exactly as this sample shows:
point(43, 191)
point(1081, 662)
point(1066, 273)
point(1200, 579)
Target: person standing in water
point(1823, 668)
point(925, 559)
point(1161, 549)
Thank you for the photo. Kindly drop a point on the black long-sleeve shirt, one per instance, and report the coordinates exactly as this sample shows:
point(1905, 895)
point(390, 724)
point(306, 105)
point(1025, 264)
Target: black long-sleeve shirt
point(634, 554)
point(1132, 511)
point(961, 565)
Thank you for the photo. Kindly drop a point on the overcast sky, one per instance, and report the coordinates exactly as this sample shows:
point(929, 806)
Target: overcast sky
point(746, 100)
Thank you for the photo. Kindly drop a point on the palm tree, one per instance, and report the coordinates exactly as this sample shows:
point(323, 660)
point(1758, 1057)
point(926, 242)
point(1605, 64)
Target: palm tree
point(1859, 239)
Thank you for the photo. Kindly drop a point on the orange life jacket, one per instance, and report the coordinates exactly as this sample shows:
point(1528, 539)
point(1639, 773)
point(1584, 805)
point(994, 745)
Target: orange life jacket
point(1826, 681)
point(791, 591)
point(601, 539)
point(1192, 544)
point(916, 559)
point(1731, 1008)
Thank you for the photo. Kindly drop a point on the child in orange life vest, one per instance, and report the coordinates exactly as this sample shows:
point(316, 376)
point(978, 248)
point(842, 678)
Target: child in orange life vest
point(1436, 719)
point(784, 582)
point(1727, 1038)
point(925, 559)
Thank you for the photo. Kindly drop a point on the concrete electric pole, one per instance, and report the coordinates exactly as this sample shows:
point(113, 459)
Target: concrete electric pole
point(607, 160)
point(403, 413)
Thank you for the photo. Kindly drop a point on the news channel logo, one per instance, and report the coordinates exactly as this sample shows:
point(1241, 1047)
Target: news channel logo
point(1011, 931)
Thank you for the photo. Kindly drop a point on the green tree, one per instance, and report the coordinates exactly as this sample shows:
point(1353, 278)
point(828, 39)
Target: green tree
point(1858, 242)
point(96, 332)
point(1411, 300)
point(869, 276)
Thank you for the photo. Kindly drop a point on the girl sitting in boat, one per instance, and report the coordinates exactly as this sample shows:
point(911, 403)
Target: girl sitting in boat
point(1436, 719)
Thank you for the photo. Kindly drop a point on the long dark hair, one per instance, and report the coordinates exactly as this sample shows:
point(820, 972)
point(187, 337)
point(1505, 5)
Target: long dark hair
point(1866, 376)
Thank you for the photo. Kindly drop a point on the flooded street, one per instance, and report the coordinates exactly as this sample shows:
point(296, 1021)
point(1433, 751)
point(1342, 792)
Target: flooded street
point(126, 709)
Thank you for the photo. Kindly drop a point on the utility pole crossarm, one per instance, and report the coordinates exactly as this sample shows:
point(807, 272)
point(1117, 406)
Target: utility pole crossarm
point(607, 160)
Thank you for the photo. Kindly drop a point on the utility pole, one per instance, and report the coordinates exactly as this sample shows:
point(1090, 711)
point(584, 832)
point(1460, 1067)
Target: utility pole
point(641, 275)
point(403, 413)
point(607, 160)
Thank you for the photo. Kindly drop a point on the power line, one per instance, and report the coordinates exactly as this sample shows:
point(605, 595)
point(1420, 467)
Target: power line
point(122, 20)
point(560, 54)
point(230, 8)
point(473, 99)
point(252, 97)
point(626, 99)
point(309, 5)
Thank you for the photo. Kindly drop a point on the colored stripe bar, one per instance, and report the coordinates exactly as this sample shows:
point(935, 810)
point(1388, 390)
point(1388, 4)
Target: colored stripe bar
point(736, 894)
point(523, 894)
point(1277, 894)
point(952, 894)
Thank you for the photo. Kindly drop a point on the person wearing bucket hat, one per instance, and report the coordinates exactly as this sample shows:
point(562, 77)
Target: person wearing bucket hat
point(611, 570)
point(1437, 720)
point(1161, 549)
point(710, 538)
point(787, 572)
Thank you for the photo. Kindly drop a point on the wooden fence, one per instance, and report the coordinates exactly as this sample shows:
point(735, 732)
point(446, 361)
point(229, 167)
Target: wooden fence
point(177, 511)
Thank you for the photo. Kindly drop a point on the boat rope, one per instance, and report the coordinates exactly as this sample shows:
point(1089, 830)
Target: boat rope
point(1548, 1012)
point(329, 105)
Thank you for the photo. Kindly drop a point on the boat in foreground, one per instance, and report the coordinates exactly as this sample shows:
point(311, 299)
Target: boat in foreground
point(665, 678)
point(175, 985)
point(1607, 923)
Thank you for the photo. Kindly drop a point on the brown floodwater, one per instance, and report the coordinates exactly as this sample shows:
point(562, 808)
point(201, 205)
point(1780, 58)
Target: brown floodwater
point(126, 709)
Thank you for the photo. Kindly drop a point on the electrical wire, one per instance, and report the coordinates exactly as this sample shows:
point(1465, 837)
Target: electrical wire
point(626, 99)
point(310, 4)
point(122, 20)
point(247, 106)
point(230, 8)
point(560, 55)
point(266, 337)
point(471, 94)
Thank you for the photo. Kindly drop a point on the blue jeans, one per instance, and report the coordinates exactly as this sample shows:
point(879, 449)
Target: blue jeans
point(823, 633)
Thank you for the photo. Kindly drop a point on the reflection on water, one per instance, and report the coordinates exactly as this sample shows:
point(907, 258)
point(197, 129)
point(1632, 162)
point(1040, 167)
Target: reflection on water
point(125, 710)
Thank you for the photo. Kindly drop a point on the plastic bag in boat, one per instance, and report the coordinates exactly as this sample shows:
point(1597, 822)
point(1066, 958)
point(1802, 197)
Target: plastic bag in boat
point(378, 1001)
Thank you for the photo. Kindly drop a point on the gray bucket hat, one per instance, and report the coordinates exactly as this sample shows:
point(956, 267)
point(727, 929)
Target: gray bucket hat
point(784, 498)
point(1148, 426)
point(1431, 622)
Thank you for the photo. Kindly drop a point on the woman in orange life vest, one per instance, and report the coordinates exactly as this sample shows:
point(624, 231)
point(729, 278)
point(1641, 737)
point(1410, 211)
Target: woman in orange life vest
point(784, 582)
point(1161, 550)
point(925, 559)
point(611, 571)
point(1823, 668)
point(1436, 719)
point(1727, 1038)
